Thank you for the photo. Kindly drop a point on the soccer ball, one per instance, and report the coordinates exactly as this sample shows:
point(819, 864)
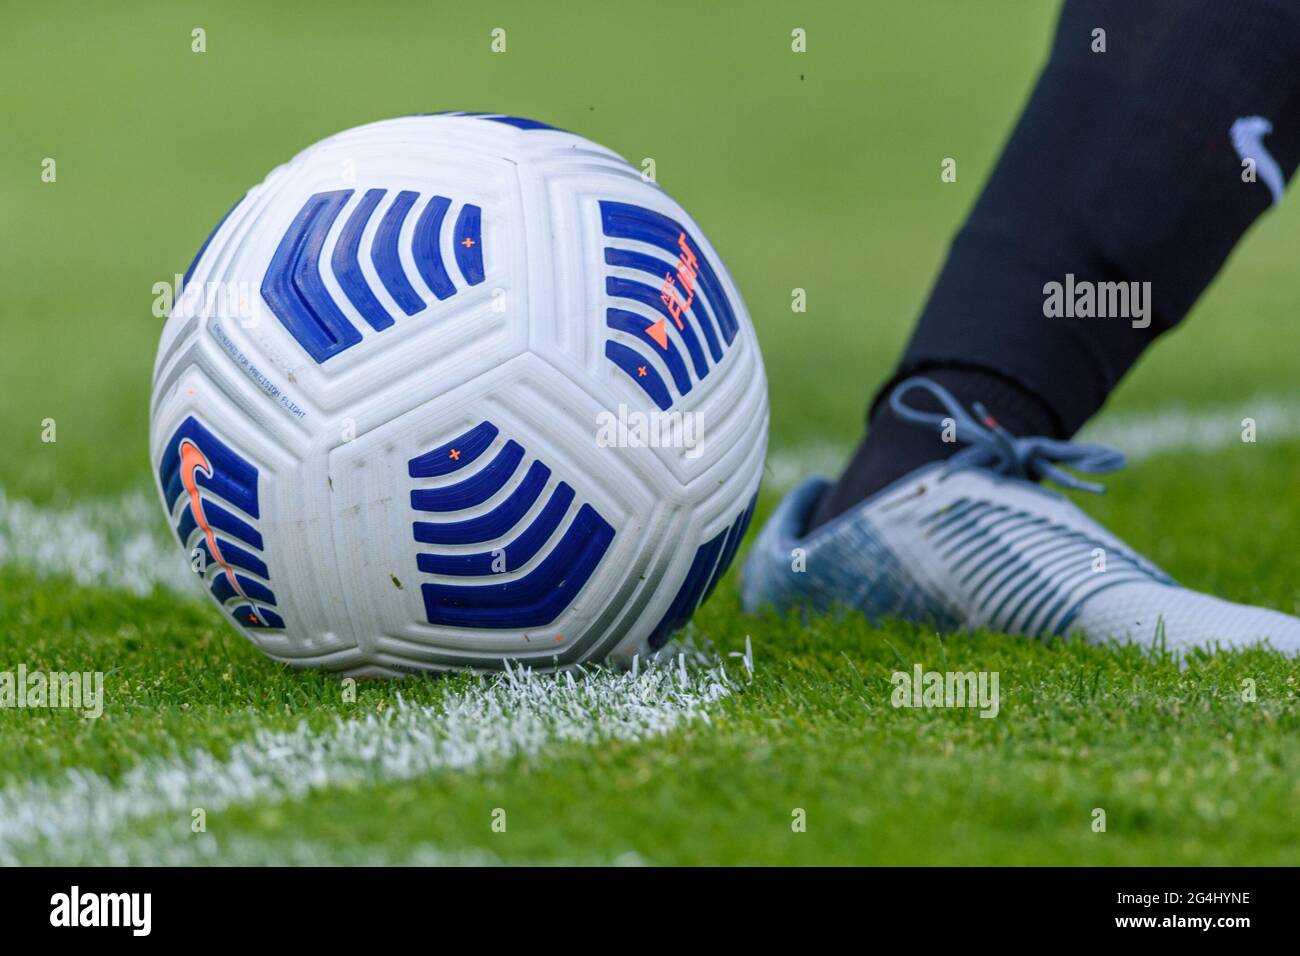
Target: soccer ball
point(453, 390)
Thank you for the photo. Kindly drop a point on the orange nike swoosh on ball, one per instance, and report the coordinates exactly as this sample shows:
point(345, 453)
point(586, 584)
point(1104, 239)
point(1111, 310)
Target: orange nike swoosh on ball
point(192, 461)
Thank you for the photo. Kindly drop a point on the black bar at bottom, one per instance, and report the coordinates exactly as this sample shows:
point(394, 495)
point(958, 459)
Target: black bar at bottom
point(335, 905)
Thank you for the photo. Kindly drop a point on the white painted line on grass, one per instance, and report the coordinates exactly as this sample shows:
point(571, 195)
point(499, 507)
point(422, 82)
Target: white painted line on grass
point(1142, 436)
point(116, 543)
point(177, 846)
point(80, 817)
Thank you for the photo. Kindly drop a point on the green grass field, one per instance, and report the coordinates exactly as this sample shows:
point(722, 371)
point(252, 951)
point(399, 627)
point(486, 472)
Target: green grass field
point(816, 170)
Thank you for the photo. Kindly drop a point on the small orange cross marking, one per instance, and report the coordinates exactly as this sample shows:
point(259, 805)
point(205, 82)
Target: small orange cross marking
point(640, 370)
point(455, 454)
point(467, 242)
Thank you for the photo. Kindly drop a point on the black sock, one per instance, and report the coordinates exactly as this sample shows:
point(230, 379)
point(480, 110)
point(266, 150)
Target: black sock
point(893, 448)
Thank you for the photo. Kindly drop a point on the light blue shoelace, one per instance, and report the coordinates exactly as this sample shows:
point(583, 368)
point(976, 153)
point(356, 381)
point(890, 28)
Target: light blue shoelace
point(993, 447)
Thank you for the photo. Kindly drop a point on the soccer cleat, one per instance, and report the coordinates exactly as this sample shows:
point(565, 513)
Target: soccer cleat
point(976, 542)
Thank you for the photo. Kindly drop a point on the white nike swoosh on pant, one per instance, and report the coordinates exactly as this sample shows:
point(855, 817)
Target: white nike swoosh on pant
point(1248, 140)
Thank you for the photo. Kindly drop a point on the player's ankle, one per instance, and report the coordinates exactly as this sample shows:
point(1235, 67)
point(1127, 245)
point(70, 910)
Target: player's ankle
point(892, 448)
